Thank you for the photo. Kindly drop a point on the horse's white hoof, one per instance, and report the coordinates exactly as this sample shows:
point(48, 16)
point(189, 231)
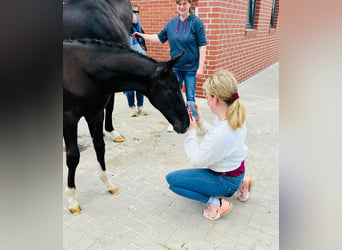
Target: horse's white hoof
point(119, 138)
point(114, 191)
point(116, 136)
point(76, 210)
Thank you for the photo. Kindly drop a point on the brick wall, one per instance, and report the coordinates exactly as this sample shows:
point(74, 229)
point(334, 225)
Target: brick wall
point(230, 45)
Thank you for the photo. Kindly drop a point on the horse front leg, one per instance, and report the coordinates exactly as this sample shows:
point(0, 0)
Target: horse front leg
point(95, 128)
point(116, 136)
point(72, 160)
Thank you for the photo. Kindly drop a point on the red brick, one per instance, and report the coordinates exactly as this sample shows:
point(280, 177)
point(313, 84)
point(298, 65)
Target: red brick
point(228, 46)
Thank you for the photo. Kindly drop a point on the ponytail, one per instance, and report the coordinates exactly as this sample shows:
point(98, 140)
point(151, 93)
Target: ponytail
point(236, 114)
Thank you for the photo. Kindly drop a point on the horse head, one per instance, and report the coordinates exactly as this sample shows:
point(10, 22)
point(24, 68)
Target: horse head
point(166, 96)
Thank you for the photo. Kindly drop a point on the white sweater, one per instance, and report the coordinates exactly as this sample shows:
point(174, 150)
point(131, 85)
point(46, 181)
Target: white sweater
point(221, 148)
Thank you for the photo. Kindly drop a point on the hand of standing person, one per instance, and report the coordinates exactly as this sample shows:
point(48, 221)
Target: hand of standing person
point(203, 51)
point(136, 35)
point(199, 73)
point(151, 38)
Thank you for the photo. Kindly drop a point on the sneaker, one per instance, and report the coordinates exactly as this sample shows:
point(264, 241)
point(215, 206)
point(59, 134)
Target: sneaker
point(170, 128)
point(142, 111)
point(133, 112)
point(246, 188)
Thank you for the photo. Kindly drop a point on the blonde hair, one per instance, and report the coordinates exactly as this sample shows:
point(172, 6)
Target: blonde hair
point(189, 1)
point(223, 85)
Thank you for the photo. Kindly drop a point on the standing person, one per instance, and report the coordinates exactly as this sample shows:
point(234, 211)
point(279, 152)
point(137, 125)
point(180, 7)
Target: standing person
point(135, 45)
point(220, 156)
point(185, 33)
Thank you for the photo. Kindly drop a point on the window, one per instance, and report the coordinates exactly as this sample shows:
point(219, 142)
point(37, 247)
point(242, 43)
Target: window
point(274, 6)
point(250, 14)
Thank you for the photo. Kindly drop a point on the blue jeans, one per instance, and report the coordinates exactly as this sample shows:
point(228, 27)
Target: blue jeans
point(189, 79)
point(130, 98)
point(137, 48)
point(130, 94)
point(201, 183)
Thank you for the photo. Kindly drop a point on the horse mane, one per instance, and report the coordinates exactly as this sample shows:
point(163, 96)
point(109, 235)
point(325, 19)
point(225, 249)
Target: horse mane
point(96, 41)
point(101, 43)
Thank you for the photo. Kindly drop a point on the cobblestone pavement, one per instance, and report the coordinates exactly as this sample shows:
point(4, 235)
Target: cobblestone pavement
point(145, 214)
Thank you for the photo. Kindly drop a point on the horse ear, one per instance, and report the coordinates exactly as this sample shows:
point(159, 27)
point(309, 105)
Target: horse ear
point(164, 67)
point(171, 63)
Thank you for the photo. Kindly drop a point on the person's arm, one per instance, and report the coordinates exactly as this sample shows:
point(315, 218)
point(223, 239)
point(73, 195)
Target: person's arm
point(204, 126)
point(201, 123)
point(206, 152)
point(151, 38)
point(202, 52)
point(134, 20)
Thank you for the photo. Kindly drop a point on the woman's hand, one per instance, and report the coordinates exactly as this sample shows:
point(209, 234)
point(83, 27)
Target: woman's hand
point(193, 123)
point(202, 51)
point(199, 73)
point(151, 38)
point(136, 35)
point(200, 118)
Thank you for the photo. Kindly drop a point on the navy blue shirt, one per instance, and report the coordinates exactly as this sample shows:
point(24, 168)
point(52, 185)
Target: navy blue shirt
point(187, 36)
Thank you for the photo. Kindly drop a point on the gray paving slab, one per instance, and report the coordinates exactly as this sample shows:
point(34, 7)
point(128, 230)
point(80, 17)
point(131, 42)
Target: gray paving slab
point(145, 214)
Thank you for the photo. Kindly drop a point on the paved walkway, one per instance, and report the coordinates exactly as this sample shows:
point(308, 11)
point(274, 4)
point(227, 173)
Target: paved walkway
point(146, 215)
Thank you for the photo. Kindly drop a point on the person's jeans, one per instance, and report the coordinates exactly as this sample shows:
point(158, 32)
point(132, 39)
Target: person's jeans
point(130, 98)
point(130, 94)
point(201, 183)
point(138, 48)
point(189, 79)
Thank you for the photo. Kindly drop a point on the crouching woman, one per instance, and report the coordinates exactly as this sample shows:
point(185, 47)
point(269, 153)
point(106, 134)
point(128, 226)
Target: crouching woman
point(218, 159)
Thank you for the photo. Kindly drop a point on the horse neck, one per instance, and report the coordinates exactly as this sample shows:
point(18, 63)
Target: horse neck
point(127, 71)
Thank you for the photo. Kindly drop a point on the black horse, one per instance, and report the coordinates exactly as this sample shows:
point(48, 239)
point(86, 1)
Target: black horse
point(92, 70)
point(108, 20)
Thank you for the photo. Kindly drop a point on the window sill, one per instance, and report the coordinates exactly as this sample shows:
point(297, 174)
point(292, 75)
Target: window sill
point(251, 33)
point(272, 31)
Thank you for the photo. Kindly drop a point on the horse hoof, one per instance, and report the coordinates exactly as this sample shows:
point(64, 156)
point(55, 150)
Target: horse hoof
point(119, 139)
point(114, 191)
point(75, 211)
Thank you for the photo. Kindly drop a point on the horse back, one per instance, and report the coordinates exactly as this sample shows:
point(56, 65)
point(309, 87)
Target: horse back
point(103, 19)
